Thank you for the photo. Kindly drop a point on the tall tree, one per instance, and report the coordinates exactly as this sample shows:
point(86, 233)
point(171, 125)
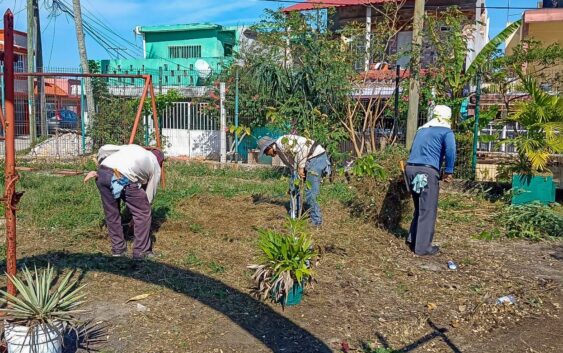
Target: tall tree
point(39, 68)
point(83, 57)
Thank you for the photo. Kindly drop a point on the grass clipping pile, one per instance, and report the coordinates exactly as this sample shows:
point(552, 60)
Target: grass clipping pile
point(384, 201)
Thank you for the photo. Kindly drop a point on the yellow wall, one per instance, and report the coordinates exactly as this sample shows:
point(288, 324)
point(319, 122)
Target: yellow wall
point(546, 32)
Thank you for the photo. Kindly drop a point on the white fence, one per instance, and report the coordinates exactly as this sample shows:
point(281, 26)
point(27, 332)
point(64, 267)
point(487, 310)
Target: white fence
point(190, 130)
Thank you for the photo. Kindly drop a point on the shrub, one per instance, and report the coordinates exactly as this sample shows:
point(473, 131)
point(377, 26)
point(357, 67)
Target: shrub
point(286, 260)
point(533, 221)
point(367, 166)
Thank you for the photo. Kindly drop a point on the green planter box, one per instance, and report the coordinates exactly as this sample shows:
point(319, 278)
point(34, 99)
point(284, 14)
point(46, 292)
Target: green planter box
point(526, 189)
point(294, 296)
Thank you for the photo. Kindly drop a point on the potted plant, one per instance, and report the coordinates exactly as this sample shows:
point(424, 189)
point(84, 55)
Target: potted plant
point(285, 267)
point(540, 117)
point(35, 320)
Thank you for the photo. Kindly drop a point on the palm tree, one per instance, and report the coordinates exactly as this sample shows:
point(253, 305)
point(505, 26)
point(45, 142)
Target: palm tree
point(541, 116)
point(83, 56)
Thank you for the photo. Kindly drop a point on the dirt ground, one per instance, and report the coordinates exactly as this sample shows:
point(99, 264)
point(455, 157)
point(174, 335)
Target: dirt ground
point(372, 294)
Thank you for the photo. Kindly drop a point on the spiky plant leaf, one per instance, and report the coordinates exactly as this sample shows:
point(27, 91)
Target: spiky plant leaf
point(489, 48)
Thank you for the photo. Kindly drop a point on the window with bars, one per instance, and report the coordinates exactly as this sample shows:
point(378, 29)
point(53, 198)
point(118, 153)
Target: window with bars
point(184, 51)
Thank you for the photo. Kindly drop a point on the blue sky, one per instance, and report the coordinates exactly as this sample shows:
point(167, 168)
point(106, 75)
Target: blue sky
point(59, 39)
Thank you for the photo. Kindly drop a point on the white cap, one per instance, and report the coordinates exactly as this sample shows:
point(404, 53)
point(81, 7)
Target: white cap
point(443, 113)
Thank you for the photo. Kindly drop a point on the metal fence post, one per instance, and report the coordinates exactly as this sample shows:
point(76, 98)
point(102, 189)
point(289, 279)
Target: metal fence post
point(236, 117)
point(2, 86)
point(223, 128)
point(160, 79)
point(476, 127)
point(396, 107)
point(82, 122)
point(10, 176)
point(146, 123)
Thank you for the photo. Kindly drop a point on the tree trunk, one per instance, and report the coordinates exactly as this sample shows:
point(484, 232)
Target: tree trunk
point(39, 68)
point(83, 57)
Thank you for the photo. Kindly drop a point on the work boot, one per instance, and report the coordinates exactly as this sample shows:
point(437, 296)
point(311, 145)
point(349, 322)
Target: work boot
point(434, 250)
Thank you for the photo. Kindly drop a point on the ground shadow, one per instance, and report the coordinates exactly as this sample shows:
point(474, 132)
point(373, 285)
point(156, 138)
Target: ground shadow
point(87, 336)
point(393, 207)
point(437, 332)
point(275, 331)
point(159, 217)
point(557, 253)
point(261, 198)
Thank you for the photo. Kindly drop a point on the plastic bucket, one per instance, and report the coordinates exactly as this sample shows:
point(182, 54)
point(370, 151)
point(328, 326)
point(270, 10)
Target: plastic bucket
point(44, 339)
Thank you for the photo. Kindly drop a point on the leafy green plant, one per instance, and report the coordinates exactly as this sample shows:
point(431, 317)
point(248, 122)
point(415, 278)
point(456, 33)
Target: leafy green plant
point(40, 305)
point(367, 166)
point(491, 234)
point(451, 47)
point(534, 221)
point(286, 260)
point(542, 118)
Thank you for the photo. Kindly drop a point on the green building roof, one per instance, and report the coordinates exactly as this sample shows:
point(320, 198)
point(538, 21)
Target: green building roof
point(181, 28)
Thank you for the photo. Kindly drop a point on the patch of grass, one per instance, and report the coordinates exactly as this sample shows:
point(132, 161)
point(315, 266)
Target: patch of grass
point(450, 202)
point(491, 234)
point(191, 260)
point(195, 228)
point(467, 261)
point(368, 348)
point(337, 190)
point(3, 253)
point(53, 204)
point(215, 267)
point(402, 289)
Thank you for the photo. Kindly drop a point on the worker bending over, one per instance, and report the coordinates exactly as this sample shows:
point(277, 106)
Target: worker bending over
point(130, 173)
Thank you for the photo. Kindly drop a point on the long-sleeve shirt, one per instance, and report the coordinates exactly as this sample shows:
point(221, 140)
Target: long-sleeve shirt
point(295, 150)
point(433, 145)
point(135, 163)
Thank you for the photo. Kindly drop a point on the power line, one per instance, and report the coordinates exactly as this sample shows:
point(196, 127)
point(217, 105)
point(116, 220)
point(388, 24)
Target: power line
point(53, 41)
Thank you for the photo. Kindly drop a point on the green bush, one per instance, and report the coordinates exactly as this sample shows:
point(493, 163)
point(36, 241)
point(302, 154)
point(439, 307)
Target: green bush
point(286, 259)
point(533, 221)
point(367, 166)
point(114, 121)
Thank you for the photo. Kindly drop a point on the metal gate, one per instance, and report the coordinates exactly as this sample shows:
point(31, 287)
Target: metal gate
point(191, 130)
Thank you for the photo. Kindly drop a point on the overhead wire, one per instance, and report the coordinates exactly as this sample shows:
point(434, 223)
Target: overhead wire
point(52, 42)
point(103, 41)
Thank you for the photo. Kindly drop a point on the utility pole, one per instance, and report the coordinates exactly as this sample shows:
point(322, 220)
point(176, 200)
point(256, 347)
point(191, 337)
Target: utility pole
point(30, 68)
point(83, 57)
point(414, 84)
point(39, 68)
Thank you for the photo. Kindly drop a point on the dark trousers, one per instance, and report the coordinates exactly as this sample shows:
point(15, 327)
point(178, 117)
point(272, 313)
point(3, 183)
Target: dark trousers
point(423, 223)
point(136, 200)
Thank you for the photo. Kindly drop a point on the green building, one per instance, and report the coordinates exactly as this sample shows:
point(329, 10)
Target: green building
point(180, 55)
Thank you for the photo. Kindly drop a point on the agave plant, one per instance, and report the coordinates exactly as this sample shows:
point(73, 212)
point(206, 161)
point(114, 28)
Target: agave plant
point(38, 305)
point(542, 117)
point(286, 260)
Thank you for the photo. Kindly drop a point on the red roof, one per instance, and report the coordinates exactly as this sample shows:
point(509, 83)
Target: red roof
point(319, 4)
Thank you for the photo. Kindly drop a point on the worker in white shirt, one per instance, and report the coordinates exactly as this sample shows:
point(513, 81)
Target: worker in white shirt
point(130, 173)
point(307, 160)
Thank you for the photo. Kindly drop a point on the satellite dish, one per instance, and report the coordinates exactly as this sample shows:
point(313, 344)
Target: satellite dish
point(203, 68)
